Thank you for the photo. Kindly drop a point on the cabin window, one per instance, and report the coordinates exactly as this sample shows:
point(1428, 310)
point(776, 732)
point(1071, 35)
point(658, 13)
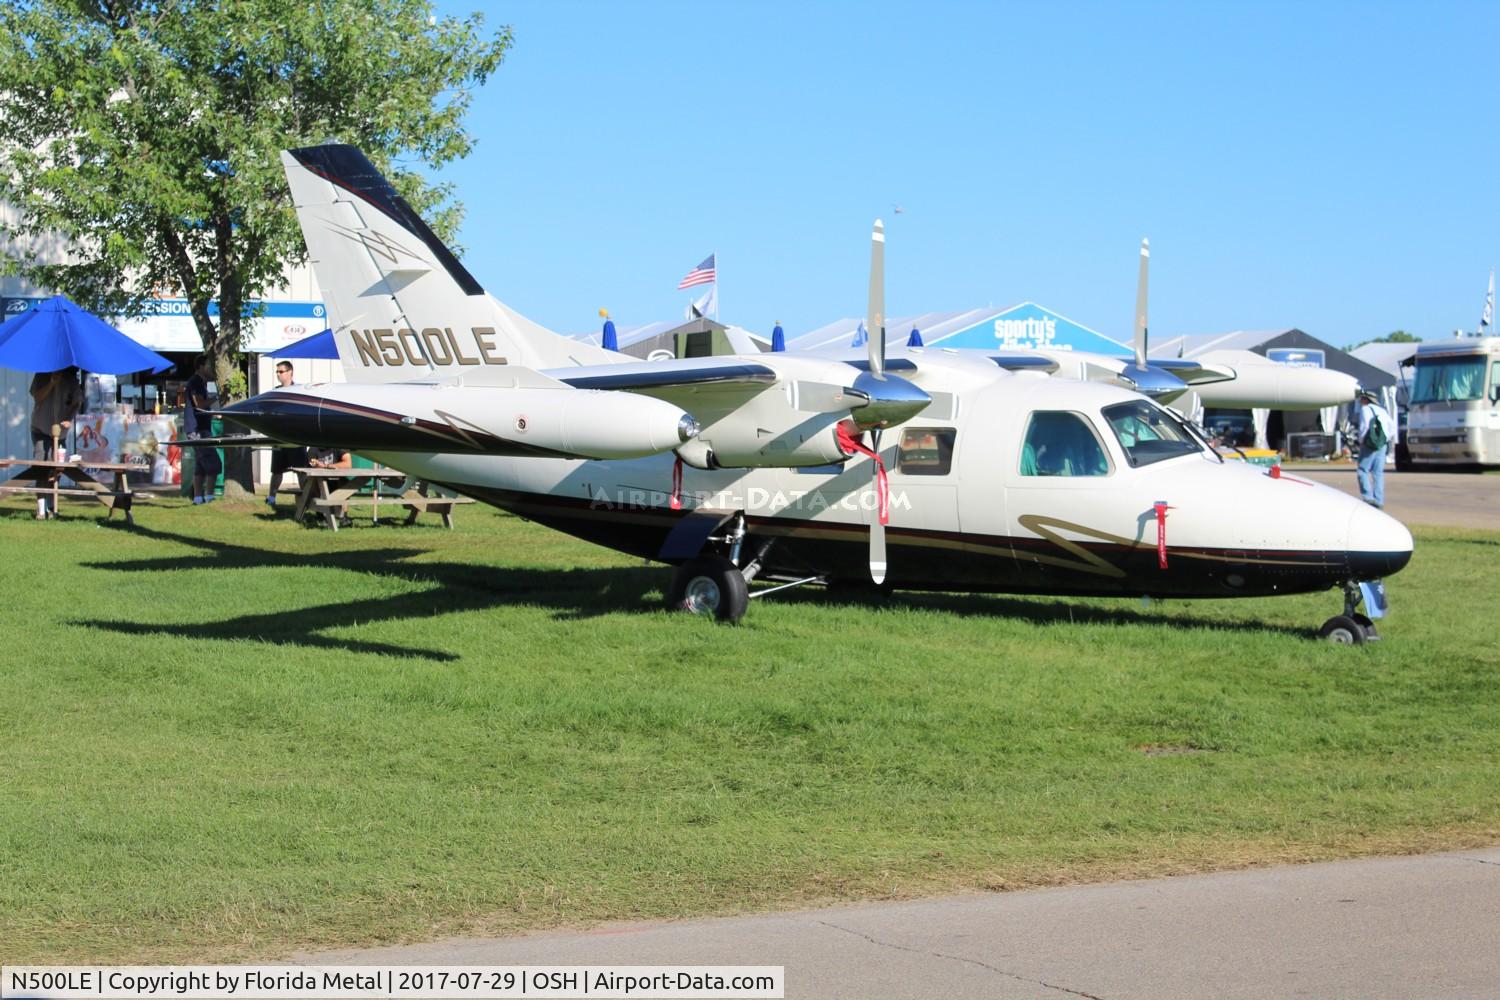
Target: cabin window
point(1062, 444)
point(1149, 433)
point(926, 451)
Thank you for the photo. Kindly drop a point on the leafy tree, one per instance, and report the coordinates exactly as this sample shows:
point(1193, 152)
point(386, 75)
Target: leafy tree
point(148, 135)
point(1394, 337)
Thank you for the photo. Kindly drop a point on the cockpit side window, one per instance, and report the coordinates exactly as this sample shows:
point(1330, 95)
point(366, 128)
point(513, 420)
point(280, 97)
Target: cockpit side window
point(1059, 443)
point(1149, 433)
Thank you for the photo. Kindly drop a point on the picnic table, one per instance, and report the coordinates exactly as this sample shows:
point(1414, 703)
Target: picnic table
point(45, 479)
point(329, 492)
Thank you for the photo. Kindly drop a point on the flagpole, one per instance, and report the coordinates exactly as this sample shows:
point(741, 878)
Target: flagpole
point(716, 286)
point(1487, 318)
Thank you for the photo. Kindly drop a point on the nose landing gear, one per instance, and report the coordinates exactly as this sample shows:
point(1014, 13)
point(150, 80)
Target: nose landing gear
point(1350, 628)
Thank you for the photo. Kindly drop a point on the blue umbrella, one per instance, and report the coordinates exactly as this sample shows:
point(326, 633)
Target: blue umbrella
point(608, 339)
point(57, 333)
point(778, 338)
point(319, 345)
point(915, 340)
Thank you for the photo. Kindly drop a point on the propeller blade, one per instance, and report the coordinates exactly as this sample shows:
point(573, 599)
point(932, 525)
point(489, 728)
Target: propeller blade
point(877, 526)
point(876, 316)
point(1140, 306)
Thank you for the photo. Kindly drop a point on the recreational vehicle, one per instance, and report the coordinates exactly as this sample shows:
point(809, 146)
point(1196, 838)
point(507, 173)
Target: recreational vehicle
point(1453, 409)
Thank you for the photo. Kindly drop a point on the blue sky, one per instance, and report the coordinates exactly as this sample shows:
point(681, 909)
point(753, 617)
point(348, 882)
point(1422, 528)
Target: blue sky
point(1327, 166)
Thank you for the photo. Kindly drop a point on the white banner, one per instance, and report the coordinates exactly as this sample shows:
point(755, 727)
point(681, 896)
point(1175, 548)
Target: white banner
point(366, 982)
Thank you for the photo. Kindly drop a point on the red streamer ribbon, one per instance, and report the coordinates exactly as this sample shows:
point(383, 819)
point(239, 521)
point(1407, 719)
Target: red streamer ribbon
point(851, 444)
point(676, 502)
point(1161, 532)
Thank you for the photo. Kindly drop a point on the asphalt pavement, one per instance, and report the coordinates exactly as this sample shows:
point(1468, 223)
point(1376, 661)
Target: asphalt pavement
point(1451, 499)
point(1407, 927)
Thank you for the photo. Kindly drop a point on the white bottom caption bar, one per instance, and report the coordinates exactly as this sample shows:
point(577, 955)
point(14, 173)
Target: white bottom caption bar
point(368, 982)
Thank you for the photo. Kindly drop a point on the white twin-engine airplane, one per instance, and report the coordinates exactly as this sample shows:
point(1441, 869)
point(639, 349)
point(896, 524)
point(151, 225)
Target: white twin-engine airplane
point(995, 477)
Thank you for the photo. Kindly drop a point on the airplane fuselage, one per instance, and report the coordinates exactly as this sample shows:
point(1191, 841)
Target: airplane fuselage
point(970, 511)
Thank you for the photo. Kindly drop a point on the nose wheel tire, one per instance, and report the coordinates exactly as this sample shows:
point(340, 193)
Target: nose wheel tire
point(1342, 630)
point(710, 585)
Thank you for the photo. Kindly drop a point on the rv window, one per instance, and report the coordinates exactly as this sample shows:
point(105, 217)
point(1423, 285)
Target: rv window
point(926, 451)
point(1149, 433)
point(1448, 380)
point(1062, 444)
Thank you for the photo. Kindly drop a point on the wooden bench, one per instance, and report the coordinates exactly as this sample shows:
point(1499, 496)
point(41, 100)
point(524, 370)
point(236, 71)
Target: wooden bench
point(331, 502)
point(45, 477)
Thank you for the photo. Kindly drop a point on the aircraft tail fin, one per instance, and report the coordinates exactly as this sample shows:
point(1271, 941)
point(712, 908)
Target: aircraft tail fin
point(402, 306)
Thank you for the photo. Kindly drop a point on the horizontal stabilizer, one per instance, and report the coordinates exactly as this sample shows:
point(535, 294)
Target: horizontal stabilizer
point(644, 377)
point(228, 440)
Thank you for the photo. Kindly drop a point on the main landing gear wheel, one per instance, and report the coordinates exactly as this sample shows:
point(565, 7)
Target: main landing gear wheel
point(710, 585)
point(1343, 630)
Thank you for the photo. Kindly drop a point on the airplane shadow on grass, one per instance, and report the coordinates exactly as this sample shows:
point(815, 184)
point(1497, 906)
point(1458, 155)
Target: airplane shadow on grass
point(571, 594)
point(452, 587)
point(1034, 611)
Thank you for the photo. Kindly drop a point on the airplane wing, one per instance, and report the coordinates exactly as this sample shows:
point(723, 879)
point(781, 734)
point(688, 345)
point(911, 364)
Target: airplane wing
point(1194, 372)
point(1016, 362)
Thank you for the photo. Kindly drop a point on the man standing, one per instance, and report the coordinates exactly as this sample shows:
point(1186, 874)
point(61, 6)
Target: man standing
point(283, 459)
point(196, 423)
point(1374, 435)
point(57, 397)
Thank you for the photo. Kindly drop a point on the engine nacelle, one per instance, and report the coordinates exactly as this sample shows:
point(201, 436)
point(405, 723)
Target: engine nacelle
point(1258, 382)
point(740, 444)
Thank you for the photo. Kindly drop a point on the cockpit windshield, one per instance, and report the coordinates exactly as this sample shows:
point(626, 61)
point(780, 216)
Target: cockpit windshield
point(1149, 433)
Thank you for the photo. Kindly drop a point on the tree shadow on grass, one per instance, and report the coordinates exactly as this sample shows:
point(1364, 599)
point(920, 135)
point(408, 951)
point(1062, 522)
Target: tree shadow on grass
point(451, 587)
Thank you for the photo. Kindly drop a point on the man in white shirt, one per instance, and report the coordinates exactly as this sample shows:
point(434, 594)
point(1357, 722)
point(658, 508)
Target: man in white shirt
point(283, 459)
point(1375, 434)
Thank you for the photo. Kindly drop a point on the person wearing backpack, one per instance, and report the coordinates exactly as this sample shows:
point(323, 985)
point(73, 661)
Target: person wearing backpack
point(1374, 436)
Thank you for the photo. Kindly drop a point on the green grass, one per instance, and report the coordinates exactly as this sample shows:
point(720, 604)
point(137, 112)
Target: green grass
point(230, 738)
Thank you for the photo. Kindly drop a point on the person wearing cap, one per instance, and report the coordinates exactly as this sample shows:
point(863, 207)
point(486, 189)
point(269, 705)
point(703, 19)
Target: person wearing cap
point(1376, 430)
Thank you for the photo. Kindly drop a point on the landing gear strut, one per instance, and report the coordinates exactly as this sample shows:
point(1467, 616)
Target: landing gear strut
point(1350, 628)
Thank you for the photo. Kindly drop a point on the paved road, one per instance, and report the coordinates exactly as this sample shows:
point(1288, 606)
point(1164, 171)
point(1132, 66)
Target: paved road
point(1369, 929)
point(1455, 499)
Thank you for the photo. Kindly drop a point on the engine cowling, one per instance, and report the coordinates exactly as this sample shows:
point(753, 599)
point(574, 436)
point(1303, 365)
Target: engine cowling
point(740, 444)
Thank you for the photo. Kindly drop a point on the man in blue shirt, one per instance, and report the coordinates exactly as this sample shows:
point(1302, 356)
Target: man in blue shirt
point(1376, 429)
point(198, 424)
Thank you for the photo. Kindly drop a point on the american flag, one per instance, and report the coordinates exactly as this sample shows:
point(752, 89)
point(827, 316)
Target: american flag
point(700, 275)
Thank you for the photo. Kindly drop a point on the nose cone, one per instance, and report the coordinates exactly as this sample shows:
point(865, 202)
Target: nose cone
point(892, 400)
point(1378, 546)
